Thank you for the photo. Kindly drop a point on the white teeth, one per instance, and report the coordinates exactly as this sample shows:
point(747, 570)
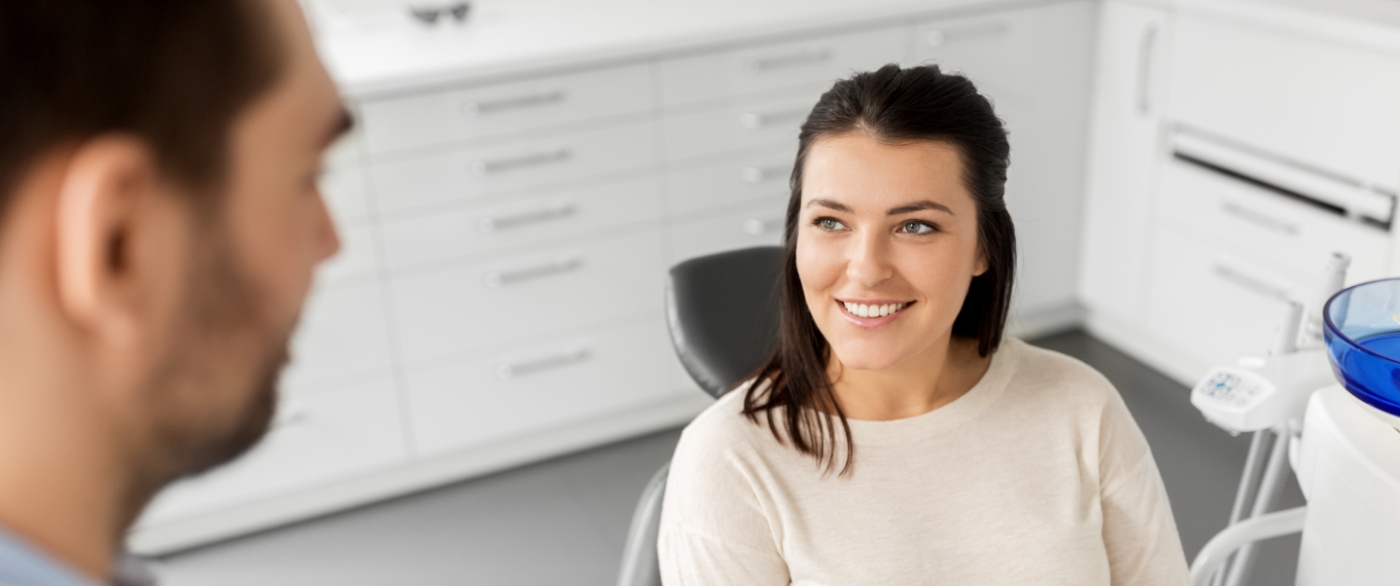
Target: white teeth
point(862, 310)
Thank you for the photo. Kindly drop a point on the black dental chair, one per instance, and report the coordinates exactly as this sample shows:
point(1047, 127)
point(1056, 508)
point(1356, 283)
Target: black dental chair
point(723, 313)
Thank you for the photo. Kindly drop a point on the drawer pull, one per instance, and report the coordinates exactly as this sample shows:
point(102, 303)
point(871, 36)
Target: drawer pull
point(1253, 284)
point(757, 227)
point(757, 120)
point(554, 212)
point(1146, 48)
point(569, 356)
point(563, 264)
point(515, 103)
point(807, 57)
point(1260, 219)
point(763, 174)
point(548, 157)
point(940, 37)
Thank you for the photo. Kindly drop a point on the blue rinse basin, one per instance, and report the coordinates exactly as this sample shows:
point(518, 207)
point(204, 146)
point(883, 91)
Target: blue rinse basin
point(1361, 327)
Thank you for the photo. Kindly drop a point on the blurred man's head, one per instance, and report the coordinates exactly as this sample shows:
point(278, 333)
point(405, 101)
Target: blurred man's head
point(159, 227)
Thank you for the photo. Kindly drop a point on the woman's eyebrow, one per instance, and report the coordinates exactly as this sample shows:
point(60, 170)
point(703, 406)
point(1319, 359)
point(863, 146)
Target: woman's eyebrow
point(826, 203)
point(919, 206)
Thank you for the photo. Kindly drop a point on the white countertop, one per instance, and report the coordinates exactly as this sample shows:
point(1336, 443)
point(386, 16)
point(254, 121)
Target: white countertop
point(374, 48)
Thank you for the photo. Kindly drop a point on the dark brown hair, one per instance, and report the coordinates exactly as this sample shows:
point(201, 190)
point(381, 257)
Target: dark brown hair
point(174, 73)
point(895, 105)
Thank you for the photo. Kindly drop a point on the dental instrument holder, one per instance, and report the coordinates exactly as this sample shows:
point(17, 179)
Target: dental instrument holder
point(1268, 396)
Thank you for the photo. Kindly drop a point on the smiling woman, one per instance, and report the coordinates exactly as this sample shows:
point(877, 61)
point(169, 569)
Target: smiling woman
point(894, 292)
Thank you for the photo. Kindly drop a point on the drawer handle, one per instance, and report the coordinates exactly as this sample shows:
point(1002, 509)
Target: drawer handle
point(763, 174)
point(483, 108)
point(757, 227)
point(940, 37)
point(1260, 219)
point(546, 214)
point(549, 157)
point(563, 264)
point(807, 57)
point(757, 120)
point(566, 357)
point(1146, 48)
point(1253, 284)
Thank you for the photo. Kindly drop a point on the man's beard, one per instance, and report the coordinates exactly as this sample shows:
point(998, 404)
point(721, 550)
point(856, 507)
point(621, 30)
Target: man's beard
point(205, 409)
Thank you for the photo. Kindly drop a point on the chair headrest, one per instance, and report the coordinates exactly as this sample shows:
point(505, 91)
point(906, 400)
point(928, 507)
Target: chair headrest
point(723, 313)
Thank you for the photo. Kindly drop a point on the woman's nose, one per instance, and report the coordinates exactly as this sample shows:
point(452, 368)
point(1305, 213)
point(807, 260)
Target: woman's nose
point(868, 263)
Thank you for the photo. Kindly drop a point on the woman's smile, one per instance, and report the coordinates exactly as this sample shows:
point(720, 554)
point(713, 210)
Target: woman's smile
point(872, 313)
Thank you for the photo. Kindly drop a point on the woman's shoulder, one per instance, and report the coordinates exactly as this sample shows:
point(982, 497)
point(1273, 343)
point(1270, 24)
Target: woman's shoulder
point(1047, 372)
point(721, 449)
point(725, 424)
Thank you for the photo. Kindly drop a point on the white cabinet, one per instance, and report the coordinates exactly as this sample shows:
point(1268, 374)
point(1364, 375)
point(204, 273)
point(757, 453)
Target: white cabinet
point(1128, 108)
point(1230, 157)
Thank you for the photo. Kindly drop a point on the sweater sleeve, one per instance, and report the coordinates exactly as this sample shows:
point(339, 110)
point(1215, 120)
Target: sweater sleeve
point(713, 528)
point(1139, 532)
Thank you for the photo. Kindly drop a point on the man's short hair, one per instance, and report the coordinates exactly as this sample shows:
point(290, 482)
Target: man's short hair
point(174, 73)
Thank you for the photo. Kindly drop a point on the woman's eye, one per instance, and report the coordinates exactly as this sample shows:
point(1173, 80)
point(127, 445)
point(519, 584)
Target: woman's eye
point(913, 227)
point(829, 224)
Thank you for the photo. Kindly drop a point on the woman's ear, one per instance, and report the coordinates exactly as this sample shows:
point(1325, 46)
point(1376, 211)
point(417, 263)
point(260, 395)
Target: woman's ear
point(980, 265)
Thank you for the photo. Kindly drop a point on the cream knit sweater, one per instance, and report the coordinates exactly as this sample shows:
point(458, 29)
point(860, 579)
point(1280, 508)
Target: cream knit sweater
point(1038, 475)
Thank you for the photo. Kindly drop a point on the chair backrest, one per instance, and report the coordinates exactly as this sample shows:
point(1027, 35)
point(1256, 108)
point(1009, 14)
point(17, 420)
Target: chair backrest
point(723, 313)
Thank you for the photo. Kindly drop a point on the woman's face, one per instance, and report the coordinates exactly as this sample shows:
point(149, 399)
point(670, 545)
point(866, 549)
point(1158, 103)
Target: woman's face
point(886, 246)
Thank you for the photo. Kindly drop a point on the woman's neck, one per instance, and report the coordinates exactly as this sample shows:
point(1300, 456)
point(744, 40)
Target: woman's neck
point(935, 377)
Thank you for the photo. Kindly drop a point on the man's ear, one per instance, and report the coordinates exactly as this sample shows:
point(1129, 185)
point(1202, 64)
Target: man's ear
point(105, 187)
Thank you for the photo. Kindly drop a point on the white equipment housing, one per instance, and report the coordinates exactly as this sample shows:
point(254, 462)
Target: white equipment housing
point(1348, 466)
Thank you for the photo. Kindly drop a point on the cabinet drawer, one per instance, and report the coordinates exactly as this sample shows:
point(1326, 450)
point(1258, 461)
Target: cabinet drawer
point(505, 108)
point(460, 175)
point(1304, 99)
point(552, 215)
point(820, 60)
point(1013, 55)
point(770, 122)
point(1211, 306)
point(759, 175)
point(478, 306)
point(540, 386)
point(343, 335)
point(1277, 229)
point(760, 225)
point(315, 439)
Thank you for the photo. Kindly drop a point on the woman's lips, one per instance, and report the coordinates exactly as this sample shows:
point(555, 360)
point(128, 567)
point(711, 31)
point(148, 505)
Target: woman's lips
point(871, 314)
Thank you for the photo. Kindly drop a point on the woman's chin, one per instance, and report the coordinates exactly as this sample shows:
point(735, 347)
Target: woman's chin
point(869, 357)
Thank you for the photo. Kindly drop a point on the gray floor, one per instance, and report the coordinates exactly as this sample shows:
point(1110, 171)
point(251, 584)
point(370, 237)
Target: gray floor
point(564, 521)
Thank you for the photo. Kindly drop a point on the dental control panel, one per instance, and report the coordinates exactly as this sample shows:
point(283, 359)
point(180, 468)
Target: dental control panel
point(1260, 393)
